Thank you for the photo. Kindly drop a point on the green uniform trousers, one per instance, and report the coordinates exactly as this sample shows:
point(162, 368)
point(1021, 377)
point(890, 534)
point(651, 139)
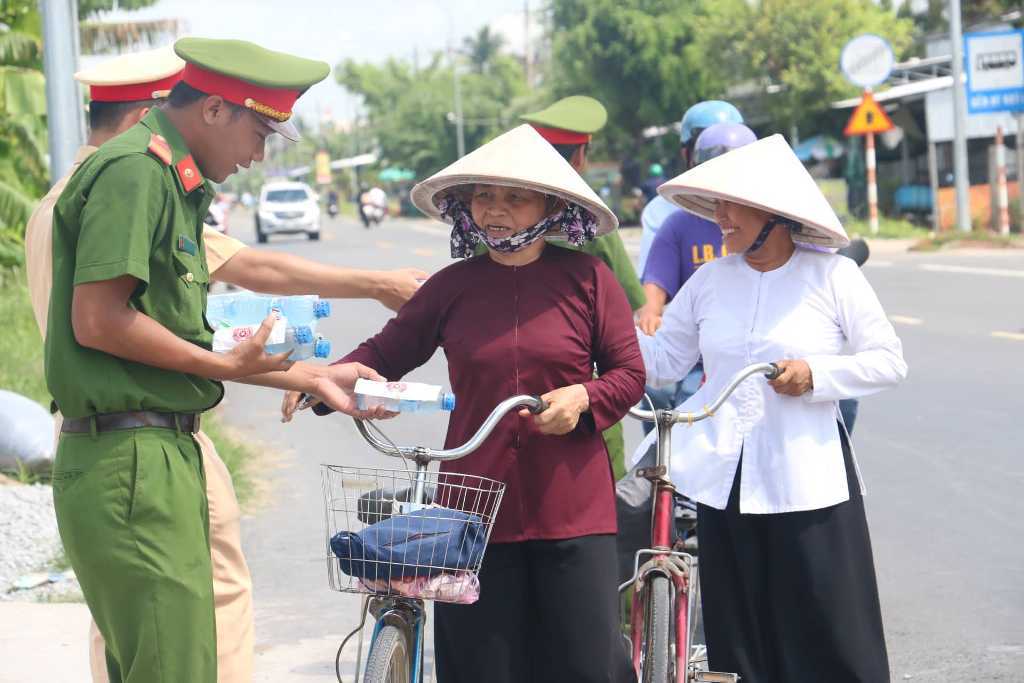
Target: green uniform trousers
point(131, 509)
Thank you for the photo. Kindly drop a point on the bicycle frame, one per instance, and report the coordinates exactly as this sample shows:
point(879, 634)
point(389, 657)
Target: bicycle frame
point(678, 567)
point(409, 614)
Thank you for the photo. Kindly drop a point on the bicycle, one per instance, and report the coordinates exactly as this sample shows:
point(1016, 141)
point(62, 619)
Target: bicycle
point(358, 498)
point(666, 589)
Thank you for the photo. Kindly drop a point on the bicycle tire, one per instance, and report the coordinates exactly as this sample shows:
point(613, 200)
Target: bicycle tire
point(657, 649)
point(388, 661)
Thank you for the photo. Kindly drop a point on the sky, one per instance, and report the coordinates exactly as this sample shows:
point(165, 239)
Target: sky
point(334, 30)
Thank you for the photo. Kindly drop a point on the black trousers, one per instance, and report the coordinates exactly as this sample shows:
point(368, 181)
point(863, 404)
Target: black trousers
point(548, 611)
point(791, 597)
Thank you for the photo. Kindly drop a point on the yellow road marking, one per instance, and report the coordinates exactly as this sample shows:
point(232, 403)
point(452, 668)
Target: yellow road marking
point(905, 320)
point(380, 244)
point(420, 251)
point(1015, 336)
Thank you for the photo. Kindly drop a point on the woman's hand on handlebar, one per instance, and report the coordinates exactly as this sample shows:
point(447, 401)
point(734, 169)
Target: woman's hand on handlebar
point(565, 406)
point(290, 404)
point(795, 378)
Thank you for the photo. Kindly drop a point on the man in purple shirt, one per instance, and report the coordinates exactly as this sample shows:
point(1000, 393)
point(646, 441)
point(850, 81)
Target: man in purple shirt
point(684, 243)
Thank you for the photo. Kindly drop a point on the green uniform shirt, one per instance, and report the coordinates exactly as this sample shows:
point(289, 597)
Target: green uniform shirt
point(127, 211)
point(610, 249)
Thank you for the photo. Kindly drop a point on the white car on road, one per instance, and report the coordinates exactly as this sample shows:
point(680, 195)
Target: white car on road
point(287, 207)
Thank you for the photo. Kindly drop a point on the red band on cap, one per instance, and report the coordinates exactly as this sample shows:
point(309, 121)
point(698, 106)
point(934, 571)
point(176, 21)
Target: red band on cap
point(133, 92)
point(238, 91)
point(561, 136)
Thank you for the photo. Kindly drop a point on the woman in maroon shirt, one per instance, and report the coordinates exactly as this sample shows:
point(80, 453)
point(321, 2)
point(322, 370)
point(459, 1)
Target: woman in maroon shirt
point(527, 318)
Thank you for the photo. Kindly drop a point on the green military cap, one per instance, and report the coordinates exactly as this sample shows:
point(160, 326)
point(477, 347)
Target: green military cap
point(266, 81)
point(570, 120)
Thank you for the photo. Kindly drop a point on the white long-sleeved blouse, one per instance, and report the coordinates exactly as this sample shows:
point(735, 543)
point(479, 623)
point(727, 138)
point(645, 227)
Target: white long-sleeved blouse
point(817, 307)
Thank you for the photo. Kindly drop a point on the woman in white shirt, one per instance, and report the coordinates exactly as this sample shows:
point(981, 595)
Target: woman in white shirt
point(787, 575)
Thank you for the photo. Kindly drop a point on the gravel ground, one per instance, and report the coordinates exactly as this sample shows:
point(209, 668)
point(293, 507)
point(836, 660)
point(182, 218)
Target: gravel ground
point(29, 544)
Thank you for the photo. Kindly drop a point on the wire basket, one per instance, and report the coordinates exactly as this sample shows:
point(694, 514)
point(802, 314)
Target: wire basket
point(381, 541)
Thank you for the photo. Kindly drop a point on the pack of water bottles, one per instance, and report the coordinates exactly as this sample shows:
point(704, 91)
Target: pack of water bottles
point(237, 317)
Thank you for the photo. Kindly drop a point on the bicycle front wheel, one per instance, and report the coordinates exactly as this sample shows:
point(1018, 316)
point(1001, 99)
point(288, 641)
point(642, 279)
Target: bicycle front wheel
point(657, 646)
point(388, 661)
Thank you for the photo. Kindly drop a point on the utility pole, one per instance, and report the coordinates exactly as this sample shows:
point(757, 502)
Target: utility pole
point(63, 99)
point(460, 139)
point(527, 58)
point(960, 172)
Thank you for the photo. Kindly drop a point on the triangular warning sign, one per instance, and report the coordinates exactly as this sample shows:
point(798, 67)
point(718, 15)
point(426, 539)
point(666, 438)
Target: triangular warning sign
point(868, 117)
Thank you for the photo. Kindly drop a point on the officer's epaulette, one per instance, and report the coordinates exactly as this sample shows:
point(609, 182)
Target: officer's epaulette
point(159, 147)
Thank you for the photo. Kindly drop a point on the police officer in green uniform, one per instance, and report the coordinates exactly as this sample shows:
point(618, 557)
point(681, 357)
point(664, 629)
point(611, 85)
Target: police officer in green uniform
point(128, 357)
point(569, 125)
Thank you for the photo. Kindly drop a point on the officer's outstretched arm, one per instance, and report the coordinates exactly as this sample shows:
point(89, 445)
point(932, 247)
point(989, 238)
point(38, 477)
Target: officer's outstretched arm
point(276, 272)
point(103, 320)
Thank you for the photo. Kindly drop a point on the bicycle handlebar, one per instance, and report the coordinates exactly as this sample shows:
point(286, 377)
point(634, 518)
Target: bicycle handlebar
point(769, 370)
point(534, 403)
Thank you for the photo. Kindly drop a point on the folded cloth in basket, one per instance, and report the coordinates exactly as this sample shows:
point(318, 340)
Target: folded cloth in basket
point(461, 587)
point(422, 543)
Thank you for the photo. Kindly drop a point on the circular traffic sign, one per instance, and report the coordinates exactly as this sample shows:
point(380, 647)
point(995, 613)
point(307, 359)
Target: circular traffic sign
point(867, 60)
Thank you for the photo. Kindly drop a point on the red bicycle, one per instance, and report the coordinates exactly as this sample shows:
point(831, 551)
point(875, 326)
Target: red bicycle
point(664, 582)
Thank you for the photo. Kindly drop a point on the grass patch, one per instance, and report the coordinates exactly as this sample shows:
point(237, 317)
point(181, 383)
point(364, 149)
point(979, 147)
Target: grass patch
point(888, 228)
point(21, 364)
point(983, 239)
point(21, 371)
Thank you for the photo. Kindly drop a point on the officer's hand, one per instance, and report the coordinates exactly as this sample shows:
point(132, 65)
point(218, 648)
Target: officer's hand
point(337, 390)
point(648, 320)
point(565, 406)
point(795, 378)
point(398, 286)
point(250, 356)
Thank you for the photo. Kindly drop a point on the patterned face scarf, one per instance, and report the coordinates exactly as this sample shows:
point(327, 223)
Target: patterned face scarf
point(578, 225)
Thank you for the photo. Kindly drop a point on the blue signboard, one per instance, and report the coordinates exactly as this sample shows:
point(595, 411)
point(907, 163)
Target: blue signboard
point(994, 63)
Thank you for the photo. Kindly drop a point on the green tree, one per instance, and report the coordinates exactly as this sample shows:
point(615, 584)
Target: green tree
point(635, 56)
point(482, 49)
point(410, 111)
point(786, 52)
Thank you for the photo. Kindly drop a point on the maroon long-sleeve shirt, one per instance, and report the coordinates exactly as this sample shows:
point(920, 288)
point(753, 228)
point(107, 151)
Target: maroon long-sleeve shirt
point(509, 330)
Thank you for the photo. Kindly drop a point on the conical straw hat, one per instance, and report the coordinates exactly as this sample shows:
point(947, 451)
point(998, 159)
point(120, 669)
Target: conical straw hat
point(518, 158)
point(765, 174)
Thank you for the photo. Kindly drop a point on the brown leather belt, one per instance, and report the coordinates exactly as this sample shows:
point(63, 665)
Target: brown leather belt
point(186, 422)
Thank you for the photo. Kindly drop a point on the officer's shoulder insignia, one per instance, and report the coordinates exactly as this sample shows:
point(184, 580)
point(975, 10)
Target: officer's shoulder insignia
point(160, 148)
point(188, 173)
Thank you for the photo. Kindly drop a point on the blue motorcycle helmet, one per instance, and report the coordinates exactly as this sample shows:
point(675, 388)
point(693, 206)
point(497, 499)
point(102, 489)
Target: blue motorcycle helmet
point(704, 115)
point(720, 138)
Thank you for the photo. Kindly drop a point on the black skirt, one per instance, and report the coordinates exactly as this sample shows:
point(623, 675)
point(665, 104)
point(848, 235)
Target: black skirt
point(792, 597)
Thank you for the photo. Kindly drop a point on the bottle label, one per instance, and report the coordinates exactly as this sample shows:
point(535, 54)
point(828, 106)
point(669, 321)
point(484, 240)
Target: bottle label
point(403, 391)
point(227, 338)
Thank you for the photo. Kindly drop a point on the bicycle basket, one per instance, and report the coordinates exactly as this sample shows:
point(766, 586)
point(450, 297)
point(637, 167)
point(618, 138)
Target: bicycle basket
point(381, 540)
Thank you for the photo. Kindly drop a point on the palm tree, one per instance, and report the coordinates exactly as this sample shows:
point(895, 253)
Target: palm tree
point(483, 48)
point(23, 172)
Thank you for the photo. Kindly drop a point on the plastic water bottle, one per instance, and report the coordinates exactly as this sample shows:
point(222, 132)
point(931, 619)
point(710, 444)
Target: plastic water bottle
point(317, 348)
point(246, 308)
point(303, 310)
point(294, 338)
point(403, 397)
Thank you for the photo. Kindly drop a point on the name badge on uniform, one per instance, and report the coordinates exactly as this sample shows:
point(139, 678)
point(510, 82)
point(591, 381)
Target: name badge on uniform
point(186, 245)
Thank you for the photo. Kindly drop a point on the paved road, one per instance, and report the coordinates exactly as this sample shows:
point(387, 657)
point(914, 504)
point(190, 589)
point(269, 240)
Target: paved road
point(941, 455)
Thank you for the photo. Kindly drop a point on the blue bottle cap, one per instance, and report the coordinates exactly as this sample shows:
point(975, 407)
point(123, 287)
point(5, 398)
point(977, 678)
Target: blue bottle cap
point(303, 334)
point(322, 309)
point(322, 349)
point(448, 401)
